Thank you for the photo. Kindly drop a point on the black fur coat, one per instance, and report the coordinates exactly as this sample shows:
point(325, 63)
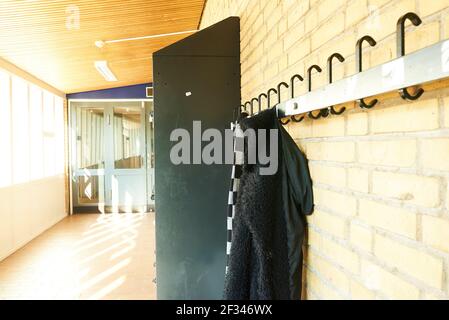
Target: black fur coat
point(268, 229)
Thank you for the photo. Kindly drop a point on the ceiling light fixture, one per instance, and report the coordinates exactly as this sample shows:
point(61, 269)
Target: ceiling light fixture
point(101, 43)
point(103, 69)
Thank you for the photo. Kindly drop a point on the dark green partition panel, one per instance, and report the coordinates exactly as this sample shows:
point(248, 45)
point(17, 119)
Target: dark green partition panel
point(191, 200)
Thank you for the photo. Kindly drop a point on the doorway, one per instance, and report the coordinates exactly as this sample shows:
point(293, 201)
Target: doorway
point(111, 156)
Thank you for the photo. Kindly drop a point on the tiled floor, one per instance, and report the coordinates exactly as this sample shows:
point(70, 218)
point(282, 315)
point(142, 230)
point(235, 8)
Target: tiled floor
point(85, 256)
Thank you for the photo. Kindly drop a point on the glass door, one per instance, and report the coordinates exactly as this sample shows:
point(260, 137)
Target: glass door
point(108, 156)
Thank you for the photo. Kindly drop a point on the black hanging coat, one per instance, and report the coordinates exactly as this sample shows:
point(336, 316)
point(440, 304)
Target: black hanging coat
point(265, 261)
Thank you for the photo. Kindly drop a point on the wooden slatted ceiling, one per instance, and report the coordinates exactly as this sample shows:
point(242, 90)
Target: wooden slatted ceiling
point(34, 36)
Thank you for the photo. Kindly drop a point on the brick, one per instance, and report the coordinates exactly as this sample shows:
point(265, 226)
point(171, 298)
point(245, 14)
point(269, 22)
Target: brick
point(334, 251)
point(293, 35)
point(379, 279)
point(382, 23)
point(415, 116)
point(446, 111)
point(258, 23)
point(311, 20)
point(271, 71)
point(435, 232)
point(331, 151)
point(273, 20)
point(270, 7)
point(422, 191)
point(269, 41)
point(327, 8)
point(320, 288)
point(401, 153)
point(300, 130)
point(422, 36)
point(445, 23)
point(435, 153)
point(282, 63)
point(299, 51)
point(328, 30)
point(358, 180)
point(329, 223)
point(282, 27)
point(430, 296)
point(390, 218)
point(333, 176)
point(377, 4)
point(332, 127)
point(361, 237)
point(337, 202)
point(430, 7)
point(359, 292)
point(328, 272)
point(355, 12)
point(357, 124)
point(383, 52)
point(447, 195)
point(411, 261)
point(274, 53)
point(345, 46)
point(295, 12)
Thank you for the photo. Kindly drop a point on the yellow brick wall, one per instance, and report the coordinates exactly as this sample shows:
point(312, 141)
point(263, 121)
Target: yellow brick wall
point(381, 176)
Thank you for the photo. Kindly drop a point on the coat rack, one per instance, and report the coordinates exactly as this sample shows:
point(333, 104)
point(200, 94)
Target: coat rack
point(422, 66)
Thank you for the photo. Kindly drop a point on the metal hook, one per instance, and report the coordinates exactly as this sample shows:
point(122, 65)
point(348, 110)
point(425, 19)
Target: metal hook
point(292, 84)
point(292, 94)
point(250, 106)
point(400, 49)
point(268, 95)
point(260, 100)
point(243, 112)
point(309, 75)
point(294, 119)
point(252, 100)
point(329, 77)
point(280, 85)
point(358, 61)
point(309, 87)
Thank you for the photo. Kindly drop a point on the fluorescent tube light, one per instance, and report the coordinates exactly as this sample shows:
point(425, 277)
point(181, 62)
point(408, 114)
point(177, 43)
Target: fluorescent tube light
point(103, 69)
point(101, 43)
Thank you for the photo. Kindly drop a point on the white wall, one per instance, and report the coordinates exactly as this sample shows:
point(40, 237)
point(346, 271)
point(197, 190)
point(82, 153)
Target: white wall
point(32, 186)
point(26, 210)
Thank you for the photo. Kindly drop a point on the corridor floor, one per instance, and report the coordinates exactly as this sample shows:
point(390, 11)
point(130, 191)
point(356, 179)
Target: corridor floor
point(85, 256)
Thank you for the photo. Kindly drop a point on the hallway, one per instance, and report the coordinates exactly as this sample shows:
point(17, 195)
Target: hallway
point(85, 256)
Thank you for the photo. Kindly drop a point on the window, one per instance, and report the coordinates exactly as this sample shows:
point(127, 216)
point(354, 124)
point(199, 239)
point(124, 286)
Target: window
point(20, 131)
point(5, 130)
point(127, 138)
point(31, 131)
point(36, 138)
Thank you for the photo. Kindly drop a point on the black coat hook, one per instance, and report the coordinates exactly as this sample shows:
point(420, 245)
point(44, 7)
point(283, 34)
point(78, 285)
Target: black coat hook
point(309, 86)
point(260, 100)
point(292, 84)
point(280, 85)
point(329, 77)
point(292, 94)
point(243, 112)
point(358, 61)
point(252, 106)
point(400, 49)
point(269, 95)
